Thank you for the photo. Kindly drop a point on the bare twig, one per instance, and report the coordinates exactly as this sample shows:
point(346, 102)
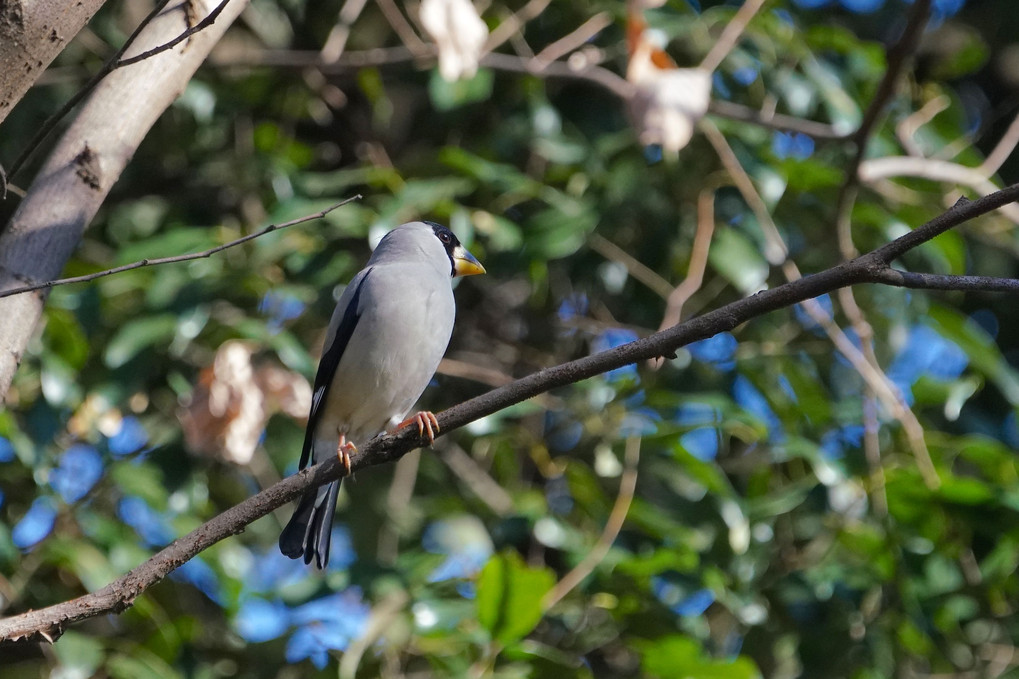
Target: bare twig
point(695, 271)
point(627, 486)
point(513, 23)
point(176, 258)
point(935, 170)
point(997, 157)
point(48, 623)
point(336, 43)
point(862, 361)
point(774, 121)
point(111, 65)
point(909, 125)
point(407, 34)
point(640, 271)
point(484, 487)
point(731, 34)
point(698, 260)
point(574, 39)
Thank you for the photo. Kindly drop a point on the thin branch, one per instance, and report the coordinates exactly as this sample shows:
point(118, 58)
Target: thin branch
point(863, 361)
point(911, 124)
point(698, 260)
point(513, 23)
point(774, 121)
point(48, 623)
point(934, 170)
point(209, 20)
point(634, 267)
point(997, 157)
point(177, 258)
point(336, 43)
point(111, 65)
point(931, 281)
point(731, 34)
point(627, 486)
point(484, 487)
point(575, 38)
point(695, 271)
point(537, 66)
point(897, 57)
point(407, 34)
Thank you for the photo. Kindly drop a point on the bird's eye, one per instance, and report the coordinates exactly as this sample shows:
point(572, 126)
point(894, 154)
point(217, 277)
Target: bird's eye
point(444, 237)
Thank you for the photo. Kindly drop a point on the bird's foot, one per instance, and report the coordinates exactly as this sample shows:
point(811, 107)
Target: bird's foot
point(426, 422)
point(343, 450)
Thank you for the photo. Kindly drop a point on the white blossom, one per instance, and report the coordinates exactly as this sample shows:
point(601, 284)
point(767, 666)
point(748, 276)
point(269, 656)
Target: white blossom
point(458, 32)
point(667, 102)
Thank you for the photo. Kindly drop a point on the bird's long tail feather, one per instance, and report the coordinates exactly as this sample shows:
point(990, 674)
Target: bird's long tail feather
point(310, 528)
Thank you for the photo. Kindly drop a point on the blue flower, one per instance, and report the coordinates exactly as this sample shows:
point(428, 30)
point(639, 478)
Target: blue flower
point(926, 353)
point(639, 422)
point(807, 321)
point(465, 542)
point(702, 443)
point(696, 413)
point(271, 571)
point(753, 401)
point(259, 620)
point(200, 574)
point(280, 307)
point(792, 145)
point(835, 441)
point(611, 339)
point(717, 350)
point(6, 450)
point(36, 524)
point(130, 438)
point(79, 469)
point(862, 6)
point(572, 306)
point(150, 525)
point(557, 495)
point(326, 624)
point(745, 74)
point(679, 599)
point(562, 432)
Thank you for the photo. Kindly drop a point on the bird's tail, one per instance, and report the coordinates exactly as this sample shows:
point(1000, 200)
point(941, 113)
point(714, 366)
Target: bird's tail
point(310, 527)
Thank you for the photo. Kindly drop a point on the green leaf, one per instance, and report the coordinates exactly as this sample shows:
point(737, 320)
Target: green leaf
point(134, 336)
point(734, 256)
point(509, 597)
point(65, 337)
point(676, 657)
point(79, 655)
point(446, 95)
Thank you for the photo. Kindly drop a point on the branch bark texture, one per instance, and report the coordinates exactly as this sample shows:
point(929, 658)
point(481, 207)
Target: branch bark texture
point(874, 267)
point(32, 34)
point(81, 170)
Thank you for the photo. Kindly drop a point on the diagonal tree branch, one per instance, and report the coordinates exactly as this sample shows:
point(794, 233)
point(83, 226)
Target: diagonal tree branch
point(176, 258)
point(47, 624)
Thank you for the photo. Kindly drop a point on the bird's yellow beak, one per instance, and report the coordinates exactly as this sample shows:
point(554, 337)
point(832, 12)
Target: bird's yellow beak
point(464, 263)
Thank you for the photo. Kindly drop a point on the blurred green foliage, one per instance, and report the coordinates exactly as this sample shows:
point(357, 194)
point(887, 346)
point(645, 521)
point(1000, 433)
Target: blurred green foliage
point(780, 525)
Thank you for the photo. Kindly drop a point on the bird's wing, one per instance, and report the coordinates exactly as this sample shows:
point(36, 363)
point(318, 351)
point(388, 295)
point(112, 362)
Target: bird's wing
point(337, 344)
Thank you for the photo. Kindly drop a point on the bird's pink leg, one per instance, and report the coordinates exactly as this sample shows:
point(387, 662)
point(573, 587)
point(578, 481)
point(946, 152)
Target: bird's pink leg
point(426, 422)
point(343, 450)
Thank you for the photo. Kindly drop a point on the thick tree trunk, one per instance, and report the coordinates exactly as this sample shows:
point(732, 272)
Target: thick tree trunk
point(80, 171)
point(32, 34)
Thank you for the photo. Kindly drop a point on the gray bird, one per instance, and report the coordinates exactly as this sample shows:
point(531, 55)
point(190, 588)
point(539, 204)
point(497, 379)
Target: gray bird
point(385, 340)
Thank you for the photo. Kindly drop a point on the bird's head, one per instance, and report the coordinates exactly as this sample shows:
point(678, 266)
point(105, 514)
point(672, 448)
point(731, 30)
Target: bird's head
point(433, 241)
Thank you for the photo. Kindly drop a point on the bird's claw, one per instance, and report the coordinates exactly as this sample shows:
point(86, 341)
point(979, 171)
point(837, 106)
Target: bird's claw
point(343, 450)
point(426, 422)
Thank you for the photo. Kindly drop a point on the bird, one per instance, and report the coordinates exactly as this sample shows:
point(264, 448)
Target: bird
point(389, 331)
